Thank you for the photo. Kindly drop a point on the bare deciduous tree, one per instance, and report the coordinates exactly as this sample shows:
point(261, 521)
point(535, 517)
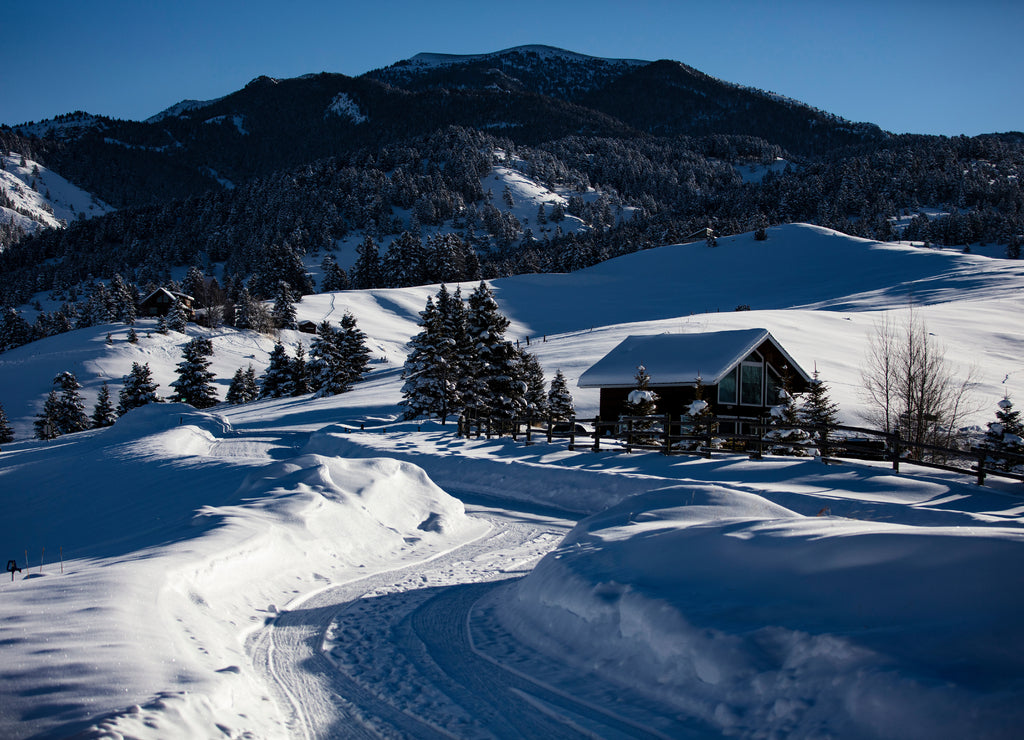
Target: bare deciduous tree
point(909, 385)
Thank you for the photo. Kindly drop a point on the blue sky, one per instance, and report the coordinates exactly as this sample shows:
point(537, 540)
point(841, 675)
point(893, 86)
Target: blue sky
point(937, 67)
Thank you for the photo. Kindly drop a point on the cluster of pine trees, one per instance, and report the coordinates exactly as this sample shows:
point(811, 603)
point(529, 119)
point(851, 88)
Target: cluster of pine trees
point(460, 362)
point(339, 359)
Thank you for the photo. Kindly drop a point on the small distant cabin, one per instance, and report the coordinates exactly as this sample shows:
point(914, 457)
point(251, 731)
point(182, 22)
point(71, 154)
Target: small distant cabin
point(160, 301)
point(742, 372)
point(307, 327)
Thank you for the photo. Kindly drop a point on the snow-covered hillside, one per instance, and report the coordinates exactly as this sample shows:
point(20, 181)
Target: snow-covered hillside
point(41, 198)
point(295, 567)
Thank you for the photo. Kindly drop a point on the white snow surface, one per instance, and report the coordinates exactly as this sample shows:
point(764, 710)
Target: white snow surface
point(344, 106)
point(48, 199)
point(300, 567)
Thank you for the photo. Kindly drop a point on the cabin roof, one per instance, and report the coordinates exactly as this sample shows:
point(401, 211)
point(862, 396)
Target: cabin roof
point(170, 293)
point(677, 359)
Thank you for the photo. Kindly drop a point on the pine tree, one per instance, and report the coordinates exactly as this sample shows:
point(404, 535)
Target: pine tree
point(243, 388)
point(103, 414)
point(642, 402)
point(431, 368)
point(194, 385)
point(6, 431)
point(560, 405)
point(366, 273)
point(177, 318)
point(785, 437)
point(699, 417)
point(300, 372)
point(335, 278)
point(536, 392)
point(821, 411)
point(276, 382)
point(133, 337)
point(138, 389)
point(1005, 435)
point(283, 312)
point(70, 411)
point(46, 420)
point(352, 346)
point(325, 361)
point(498, 388)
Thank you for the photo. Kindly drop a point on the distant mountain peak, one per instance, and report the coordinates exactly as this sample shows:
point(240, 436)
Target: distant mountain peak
point(430, 59)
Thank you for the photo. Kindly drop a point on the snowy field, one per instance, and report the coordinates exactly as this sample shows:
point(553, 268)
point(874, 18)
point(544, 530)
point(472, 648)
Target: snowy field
point(273, 570)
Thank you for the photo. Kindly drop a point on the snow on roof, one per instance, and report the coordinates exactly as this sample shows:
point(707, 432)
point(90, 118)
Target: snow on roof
point(677, 359)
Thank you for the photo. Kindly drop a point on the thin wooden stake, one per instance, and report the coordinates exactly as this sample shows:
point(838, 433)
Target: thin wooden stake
point(42, 557)
point(62, 559)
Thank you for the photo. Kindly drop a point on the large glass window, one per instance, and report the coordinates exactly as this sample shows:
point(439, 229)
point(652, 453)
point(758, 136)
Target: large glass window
point(727, 388)
point(774, 385)
point(751, 377)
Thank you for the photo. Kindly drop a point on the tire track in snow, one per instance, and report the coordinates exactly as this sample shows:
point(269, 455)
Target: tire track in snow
point(324, 694)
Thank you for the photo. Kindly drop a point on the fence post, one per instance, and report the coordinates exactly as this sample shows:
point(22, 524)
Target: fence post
point(668, 433)
point(981, 467)
point(597, 434)
point(629, 435)
point(895, 438)
point(488, 426)
point(515, 428)
point(760, 437)
point(529, 426)
point(551, 423)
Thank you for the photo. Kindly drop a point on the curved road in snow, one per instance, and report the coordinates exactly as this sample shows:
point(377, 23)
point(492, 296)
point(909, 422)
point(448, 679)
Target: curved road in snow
point(393, 654)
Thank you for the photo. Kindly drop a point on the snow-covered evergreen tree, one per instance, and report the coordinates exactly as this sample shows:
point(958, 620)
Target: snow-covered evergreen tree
point(103, 413)
point(429, 375)
point(276, 381)
point(536, 385)
point(194, 385)
point(1005, 435)
point(300, 372)
point(70, 413)
point(820, 410)
point(501, 390)
point(243, 387)
point(642, 402)
point(560, 405)
point(133, 337)
point(283, 312)
point(177, 317)
point(138, 389)
point(45, 424)
point(335, 278)
point(352, 345)
point(698, 418)
point(326, 375)
point(366, 273)
point(6, 432)
point(785, 437)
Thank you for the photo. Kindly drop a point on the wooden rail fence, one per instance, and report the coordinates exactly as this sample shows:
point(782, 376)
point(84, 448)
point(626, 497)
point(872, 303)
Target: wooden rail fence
point(752, 436)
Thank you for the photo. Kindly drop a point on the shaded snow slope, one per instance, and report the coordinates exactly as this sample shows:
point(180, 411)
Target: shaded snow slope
point(179, 536)
point(847, 603)
point(43, 198)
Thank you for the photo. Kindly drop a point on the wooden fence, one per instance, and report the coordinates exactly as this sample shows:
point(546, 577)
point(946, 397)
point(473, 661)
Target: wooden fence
point(752, 436)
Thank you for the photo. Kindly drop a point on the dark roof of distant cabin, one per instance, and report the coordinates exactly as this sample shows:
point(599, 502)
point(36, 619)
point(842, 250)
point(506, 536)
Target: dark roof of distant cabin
point(677, 359)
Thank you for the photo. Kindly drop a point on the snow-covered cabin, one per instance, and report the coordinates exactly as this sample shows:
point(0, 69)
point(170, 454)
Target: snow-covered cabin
point(741, 370)
point(159, 302)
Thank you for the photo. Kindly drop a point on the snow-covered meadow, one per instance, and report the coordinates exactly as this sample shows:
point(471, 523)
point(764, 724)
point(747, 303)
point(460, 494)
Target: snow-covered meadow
point(273, 570)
